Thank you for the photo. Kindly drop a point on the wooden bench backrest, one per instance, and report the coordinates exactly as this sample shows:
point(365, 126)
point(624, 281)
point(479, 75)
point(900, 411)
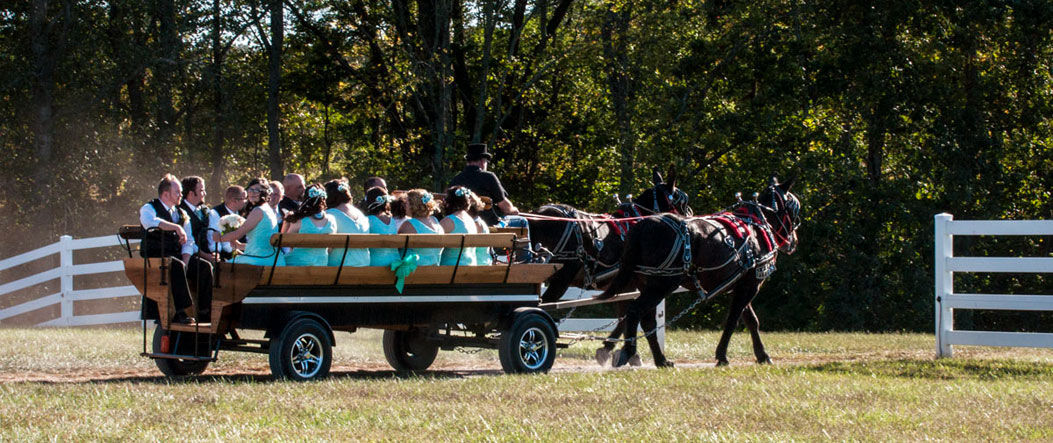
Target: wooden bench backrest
point(355, 241)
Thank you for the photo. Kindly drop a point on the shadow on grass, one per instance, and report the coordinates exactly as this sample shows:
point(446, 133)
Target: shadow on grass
point(267, 378)
point(942, 369)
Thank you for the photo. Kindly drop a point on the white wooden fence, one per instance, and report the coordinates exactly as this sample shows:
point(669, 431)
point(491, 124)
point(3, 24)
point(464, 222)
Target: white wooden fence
point(65, 273)
point(947, 300)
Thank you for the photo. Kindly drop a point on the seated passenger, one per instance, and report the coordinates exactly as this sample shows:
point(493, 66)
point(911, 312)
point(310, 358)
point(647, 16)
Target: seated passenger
point(257, 229)
point(309, 218)
point(381, 222)
point(398, 209)
point(277, 194)
point(457, 221)
point(234, 199)
point(483, 254)
point(420, 205)
point(349, 220)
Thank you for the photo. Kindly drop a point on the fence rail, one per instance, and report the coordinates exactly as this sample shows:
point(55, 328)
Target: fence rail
point(65, 273)
point(947, 301)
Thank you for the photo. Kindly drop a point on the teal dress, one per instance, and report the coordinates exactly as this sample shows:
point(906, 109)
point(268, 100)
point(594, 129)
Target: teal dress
point(311, 256)
point(383, 256)
point(428, 256)
point(345, 225)
point(482, 254)
point(450, 255)
point(258, 249)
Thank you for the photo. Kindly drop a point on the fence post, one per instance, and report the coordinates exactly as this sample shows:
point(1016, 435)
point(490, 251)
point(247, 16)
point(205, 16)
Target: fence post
point(66, 279)
point(944, 283)
point(659, 314)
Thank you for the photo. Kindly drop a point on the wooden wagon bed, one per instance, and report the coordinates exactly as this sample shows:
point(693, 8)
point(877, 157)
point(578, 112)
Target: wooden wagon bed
point(241, 291)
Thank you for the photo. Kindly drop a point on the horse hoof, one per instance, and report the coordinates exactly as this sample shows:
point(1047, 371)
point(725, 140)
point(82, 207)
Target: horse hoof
point(764, 360)
point(603, 356)
point(620, 358)
point(635, 360)
point(664, 364)
point(722, 363)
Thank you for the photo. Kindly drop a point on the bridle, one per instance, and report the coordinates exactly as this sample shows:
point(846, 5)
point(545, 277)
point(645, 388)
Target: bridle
point(787, 210)
point(676, 198)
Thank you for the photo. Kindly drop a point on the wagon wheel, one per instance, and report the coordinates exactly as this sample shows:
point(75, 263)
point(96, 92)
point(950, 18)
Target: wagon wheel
point(302, 351)
point(528, 346)
point(176, 368)
point(409, 351)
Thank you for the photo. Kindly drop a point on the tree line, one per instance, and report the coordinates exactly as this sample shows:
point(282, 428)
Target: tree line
point(888, 112)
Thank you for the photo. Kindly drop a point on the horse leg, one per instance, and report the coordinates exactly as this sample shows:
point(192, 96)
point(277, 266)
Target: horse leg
point(649, 321)
point(559, 282)
point(652, 294)
point(603, 353)
point(741, 297)
point(750, 318)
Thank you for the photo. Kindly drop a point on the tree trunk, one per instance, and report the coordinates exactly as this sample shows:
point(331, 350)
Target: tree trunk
point(219, 103)
point(619, 83)
point(166, 74)
point(43, 123)
point(274, 157)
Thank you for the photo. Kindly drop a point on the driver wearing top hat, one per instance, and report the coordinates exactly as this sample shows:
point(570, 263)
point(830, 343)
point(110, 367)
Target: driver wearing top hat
point(484, 183)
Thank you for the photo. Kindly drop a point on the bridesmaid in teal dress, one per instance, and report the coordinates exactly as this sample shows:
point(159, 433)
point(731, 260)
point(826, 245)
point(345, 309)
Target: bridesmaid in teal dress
point(349, 220)
point(420, 207)
point(457, 221)
point(258, 227)
point(483, 254)
point(310, 218)
point(378, 206)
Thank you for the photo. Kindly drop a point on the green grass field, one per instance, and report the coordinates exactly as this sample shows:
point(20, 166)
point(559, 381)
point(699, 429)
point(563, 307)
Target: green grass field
point(91, 385)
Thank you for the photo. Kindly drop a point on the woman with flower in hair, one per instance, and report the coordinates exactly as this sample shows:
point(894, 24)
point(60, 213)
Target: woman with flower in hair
point(257, 229)
point(309, 218)
point(378, 206)
point(398, 209)
point(420, 206)
point(483, 254)
point(349, 220)
point(457, 221)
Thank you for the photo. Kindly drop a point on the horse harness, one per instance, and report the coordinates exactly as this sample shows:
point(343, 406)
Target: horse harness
point(575, 229)
point(737, 223)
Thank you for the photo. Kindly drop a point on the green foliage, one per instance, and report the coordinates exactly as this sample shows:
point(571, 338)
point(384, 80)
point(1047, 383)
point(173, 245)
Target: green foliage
point(889, 112)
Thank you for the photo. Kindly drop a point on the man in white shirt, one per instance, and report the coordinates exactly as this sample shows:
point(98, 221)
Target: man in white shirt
point(169, 234)
point(234, 199)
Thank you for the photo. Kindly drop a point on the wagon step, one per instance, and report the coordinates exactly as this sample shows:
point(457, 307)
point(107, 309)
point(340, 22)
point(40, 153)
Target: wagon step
point(176, 356)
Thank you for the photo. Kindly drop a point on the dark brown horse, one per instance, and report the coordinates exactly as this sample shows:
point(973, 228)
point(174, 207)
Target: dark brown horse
point(589, 247)
point(734, 252)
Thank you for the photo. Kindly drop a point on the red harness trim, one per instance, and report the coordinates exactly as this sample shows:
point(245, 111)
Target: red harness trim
point(735, 222)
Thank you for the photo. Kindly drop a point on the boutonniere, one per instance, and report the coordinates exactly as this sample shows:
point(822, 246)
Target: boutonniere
point(183, 217)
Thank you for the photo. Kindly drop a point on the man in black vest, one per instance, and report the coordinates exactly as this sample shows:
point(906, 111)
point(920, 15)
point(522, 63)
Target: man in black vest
point(484, 183)
point(194, 205)
point(233, 201)
point(294, 187)
point(170, 234)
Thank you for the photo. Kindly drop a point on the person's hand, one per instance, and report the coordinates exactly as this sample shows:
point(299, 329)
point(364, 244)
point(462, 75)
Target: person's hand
point(181, 233)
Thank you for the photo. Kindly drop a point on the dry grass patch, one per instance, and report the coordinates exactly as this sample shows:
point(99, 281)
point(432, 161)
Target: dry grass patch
point(824, 387)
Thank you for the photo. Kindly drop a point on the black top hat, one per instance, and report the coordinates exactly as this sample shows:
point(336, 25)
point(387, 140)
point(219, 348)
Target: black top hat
point(477, 151)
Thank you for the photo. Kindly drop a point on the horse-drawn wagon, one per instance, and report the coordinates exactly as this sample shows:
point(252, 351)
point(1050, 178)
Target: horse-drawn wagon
point(299, 308)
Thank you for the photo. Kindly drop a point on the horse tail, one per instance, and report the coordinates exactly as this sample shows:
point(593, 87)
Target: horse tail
point(630, 258)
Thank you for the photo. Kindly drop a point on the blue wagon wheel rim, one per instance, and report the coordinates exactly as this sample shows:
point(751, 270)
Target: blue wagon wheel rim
point(306, 355)
point(533, 348)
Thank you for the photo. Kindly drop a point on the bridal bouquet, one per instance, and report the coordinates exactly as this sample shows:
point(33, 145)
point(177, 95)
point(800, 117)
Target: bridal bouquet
point(230, 223)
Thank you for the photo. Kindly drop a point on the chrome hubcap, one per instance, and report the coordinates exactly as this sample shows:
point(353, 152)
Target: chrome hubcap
point(306, 355)
point(533, 348)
